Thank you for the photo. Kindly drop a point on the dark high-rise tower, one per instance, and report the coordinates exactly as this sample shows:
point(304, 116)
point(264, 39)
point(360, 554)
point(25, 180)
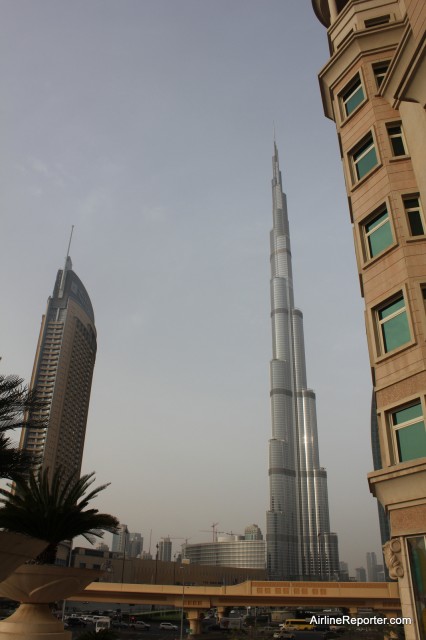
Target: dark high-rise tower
point(299, 542)
point(62, 375)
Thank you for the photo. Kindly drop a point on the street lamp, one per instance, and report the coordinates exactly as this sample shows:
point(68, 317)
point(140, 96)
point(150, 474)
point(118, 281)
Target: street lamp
point(126, 533)
point(69, 564)
point(185, 561)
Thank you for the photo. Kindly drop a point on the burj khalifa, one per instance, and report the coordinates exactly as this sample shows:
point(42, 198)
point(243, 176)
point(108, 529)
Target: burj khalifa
point(299, 543)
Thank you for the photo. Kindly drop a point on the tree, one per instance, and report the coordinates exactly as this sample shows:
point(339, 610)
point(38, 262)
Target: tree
point(54, 508)
point(19, 408)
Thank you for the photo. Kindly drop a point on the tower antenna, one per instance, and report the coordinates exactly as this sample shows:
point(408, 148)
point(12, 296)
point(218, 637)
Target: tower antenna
point(69, 243)
point(64, 272)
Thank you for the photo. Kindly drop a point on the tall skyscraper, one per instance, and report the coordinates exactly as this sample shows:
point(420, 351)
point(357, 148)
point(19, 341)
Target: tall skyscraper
point(62, 375)
point(299, 542)
point(371, 566)
point(373, 87)
point(360, 574)
point(121, 540)
point(135, 544)
point(165, 550)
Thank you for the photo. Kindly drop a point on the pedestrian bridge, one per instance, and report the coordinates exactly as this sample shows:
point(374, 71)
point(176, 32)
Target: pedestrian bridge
point(380, 596)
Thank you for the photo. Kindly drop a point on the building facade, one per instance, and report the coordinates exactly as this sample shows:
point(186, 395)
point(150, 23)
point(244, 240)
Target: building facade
point(244, 552)
point(135, 544)
point(121, 540)
point(360, 574)
point(62, 375)
point(253, 532)
point(165, 550)
point(372, 566)
point(300, 545)
point(377, 464)
point(374, 88)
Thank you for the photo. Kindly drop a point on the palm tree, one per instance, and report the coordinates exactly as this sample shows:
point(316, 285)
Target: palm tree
point(19, 408)
point(54, 508)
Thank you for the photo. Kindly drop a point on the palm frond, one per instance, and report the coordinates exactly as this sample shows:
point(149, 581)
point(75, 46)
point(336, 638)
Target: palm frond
point(20, 407)
point(14, 462)
point(54, 508)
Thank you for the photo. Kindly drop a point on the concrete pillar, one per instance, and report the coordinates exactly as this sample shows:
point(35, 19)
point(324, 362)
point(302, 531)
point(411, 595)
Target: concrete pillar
point(33, 622)
point(220, 613)
point(193, 616)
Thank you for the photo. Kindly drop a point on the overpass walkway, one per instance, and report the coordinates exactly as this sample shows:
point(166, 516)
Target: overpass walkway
point(380, 596)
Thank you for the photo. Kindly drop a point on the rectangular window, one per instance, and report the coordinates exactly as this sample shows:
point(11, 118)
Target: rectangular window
point(414, 215)
point(374, 22)
point(378, 233)
point(364, 157)
point(409, 432)
point(394, 330)
point(352, 96)
point(396, 139)
point(380, 70)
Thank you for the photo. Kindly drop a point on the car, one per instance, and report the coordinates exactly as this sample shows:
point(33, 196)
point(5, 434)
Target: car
point(140, 624)
point(168, 625)
point(88, 618)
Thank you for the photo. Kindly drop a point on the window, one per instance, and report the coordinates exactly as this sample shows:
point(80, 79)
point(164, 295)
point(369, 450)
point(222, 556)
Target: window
point(352, 96)
point(414, 215)
point(393, 325)
point(380, 70)
point(397, 140)
point(409, 432)
point(364, 157)
point(375, 22)
point(378, 233)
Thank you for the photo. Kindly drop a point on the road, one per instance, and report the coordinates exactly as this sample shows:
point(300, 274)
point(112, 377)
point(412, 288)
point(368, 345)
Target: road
point(133, 634)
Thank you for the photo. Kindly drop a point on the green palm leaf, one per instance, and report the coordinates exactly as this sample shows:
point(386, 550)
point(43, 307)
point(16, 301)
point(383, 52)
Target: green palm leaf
point(54, 508)
point(19, 409)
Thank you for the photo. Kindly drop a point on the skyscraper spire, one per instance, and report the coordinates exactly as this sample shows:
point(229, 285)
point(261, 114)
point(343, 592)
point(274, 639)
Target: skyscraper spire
point(67, 266)
point(299, 542)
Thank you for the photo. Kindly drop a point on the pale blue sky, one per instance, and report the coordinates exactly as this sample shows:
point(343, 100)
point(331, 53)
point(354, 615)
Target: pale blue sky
point(149, 126)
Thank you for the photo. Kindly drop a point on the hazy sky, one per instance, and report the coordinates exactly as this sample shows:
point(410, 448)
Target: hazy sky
point(148, 124)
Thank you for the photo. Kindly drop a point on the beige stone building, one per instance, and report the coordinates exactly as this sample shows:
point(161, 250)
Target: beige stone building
point(62, 375)
point(374, 88)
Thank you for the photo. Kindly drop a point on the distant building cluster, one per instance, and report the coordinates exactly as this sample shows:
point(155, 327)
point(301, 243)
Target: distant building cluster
point(127, 543)
point(120, 568)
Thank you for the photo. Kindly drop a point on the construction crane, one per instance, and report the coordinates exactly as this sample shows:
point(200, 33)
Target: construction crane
point(213, 527)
